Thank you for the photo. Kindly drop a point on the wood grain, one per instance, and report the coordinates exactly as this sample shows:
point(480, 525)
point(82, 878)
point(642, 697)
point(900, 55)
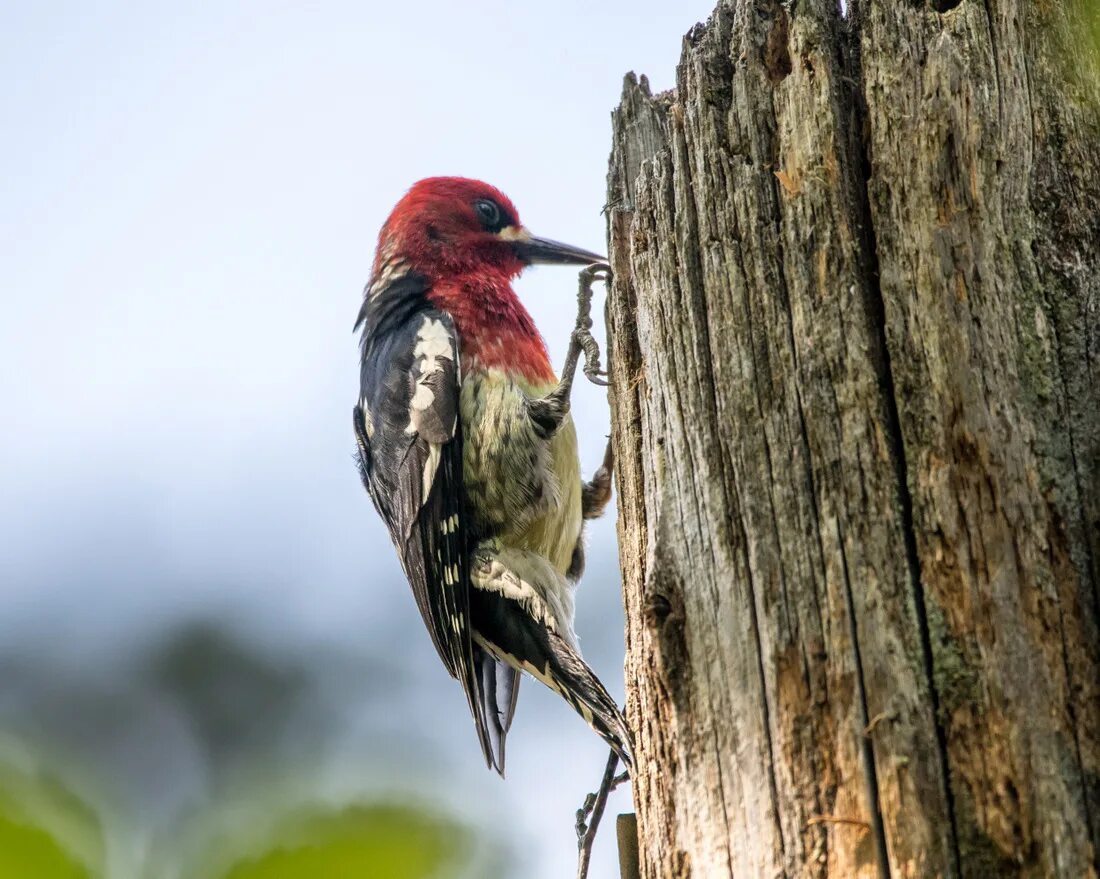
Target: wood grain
point(854, 361)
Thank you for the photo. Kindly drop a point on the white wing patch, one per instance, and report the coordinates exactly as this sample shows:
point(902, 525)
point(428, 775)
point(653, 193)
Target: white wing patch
point(422, 398)
point(430, 466)
point(433, 343)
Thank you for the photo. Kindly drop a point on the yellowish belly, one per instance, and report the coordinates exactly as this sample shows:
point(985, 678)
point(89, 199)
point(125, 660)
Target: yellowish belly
point(554, 535)
point(494, 404)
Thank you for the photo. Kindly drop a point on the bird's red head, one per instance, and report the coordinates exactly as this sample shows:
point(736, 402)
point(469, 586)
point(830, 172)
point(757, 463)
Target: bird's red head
point(446, 227)
point(464, 237)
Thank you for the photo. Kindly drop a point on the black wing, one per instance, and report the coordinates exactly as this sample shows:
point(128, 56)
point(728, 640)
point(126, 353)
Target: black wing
point(410, 451)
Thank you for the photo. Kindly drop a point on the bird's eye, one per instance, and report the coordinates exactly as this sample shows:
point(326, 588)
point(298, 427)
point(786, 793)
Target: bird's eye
point(487, 212)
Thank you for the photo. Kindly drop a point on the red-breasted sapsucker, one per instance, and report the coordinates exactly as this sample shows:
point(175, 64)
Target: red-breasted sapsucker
point(469, 453)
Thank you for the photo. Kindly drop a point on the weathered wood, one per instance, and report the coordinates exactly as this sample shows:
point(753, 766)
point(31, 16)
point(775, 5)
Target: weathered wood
point(626, 834)
point(854, 360)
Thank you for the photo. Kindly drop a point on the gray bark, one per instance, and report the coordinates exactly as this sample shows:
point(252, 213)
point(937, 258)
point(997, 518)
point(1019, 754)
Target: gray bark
point(855, 353)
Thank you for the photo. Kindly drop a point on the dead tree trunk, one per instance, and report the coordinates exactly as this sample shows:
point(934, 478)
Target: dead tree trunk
point(855, 357)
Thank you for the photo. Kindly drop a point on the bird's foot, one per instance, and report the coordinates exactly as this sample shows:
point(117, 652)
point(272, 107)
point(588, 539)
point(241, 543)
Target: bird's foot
point(582, 332)
point(548, 412)
point(597, 491)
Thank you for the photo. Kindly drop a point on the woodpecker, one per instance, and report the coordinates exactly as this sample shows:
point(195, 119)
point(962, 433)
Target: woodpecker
point(468, 451)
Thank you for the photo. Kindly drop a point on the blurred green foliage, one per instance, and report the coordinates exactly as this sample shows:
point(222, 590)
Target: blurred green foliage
point(46, 832)
point(380, 842)
point(31, 852)
point(234, 794)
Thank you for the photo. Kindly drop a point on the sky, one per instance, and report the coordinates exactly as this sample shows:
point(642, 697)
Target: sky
point(188, 210)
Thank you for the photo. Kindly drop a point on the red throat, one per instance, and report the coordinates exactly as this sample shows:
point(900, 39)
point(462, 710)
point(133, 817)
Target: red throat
point(495, 329)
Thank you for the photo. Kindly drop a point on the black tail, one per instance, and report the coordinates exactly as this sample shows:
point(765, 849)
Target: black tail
point(563, 670)
point(498, 690)
point(502, 627)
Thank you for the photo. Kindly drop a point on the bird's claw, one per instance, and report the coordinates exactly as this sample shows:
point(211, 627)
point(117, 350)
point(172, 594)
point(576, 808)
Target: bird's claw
point(582, 334)
point(549, 411)
point(597, 271)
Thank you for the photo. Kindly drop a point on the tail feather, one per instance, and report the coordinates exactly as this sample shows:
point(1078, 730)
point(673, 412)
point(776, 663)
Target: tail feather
point(502, 627)
point(564, 671)
point(571, 676)
point(498, 690)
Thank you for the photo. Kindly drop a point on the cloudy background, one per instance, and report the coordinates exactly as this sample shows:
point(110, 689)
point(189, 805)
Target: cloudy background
point(202, 624)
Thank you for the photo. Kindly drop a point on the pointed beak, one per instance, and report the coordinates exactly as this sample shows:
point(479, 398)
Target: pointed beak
point(534, 250)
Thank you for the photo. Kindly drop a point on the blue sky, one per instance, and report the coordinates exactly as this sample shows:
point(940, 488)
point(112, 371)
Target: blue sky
point(188, 210)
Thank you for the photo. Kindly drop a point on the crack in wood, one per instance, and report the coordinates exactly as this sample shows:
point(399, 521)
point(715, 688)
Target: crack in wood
point(851, 63)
